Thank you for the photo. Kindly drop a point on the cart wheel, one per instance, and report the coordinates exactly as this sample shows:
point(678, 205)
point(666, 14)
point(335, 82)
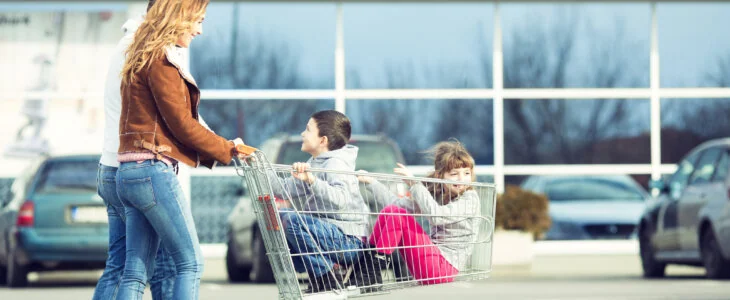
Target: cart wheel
point(17, 274)
point(261, 271)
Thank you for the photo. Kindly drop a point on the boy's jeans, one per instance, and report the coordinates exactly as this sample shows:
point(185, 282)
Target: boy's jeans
point(106, 288)
point(155, 209)
point(328, 236)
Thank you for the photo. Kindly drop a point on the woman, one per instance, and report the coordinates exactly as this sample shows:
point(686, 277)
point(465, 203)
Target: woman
point(158, 128)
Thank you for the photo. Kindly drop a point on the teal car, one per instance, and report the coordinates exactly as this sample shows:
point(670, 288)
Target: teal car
point(53, 220)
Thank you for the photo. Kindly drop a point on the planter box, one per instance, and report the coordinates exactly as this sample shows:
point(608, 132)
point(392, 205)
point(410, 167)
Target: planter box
point(512, 248)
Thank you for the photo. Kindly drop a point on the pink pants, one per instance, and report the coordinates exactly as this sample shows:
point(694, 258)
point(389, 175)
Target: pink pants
point(395, 227)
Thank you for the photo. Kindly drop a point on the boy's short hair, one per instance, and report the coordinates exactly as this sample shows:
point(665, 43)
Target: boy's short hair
point(335, 126)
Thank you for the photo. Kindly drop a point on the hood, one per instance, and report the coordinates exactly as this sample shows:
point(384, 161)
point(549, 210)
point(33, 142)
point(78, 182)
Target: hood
point(131, 26)
point(346, 154)
point(598, 211)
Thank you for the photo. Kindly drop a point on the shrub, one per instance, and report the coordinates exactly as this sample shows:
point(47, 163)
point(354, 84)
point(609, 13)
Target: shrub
point(518, 209)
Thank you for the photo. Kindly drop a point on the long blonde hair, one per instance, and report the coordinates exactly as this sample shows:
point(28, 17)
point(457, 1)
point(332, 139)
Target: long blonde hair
point(166, 20)
point(446, 157)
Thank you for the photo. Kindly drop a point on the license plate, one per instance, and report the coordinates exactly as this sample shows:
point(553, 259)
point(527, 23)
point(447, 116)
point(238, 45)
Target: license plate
point(89, 214)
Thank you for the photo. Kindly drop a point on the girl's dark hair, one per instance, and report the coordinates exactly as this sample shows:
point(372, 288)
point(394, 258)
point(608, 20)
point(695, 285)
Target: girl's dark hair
point(335, 126)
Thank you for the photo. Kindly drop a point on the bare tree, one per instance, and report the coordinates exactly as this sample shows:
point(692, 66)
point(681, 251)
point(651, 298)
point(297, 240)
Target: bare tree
point(720, 77)
point(706, 118)
point(252, 61)
point(553, 131)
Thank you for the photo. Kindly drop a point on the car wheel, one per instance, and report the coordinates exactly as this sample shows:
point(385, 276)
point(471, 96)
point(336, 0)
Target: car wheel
point(3, 274)
point(17, 275)
point(716, 266)
point(652, 268)
point(236, 273)
point(261, 271)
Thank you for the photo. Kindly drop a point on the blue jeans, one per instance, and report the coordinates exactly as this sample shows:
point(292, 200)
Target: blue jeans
point(326, 235)
point(156, 211)
point(107, 286)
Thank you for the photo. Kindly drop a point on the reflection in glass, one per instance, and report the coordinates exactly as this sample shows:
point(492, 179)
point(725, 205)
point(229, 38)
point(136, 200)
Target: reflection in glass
point(417, 125)
point(576, 45)
point(693, 50)
point(257, 120)
point(576, 131)
point(266, 46)
point(687, 123)
point(418, 45)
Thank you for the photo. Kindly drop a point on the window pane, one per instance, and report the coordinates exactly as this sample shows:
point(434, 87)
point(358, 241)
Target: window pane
point(212, 199)
point(723, 166)
point(418, 45)
point(576, 131)
point(55, 48)
point(576, 45)
point(416, 125)
point(257, 120)
point(705, 166)
point(687, 123)
point(69, 177)
point(372, 156)
point(692, 48)
point(266, 46)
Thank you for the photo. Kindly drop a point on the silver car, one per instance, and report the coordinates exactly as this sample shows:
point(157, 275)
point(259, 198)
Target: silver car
point(689, 221)
point(246, 256)
point(591, 206)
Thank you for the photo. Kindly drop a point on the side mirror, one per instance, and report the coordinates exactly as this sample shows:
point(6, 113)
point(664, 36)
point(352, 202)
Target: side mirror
point(5, 200)
point(658, 186)
point(238, 189)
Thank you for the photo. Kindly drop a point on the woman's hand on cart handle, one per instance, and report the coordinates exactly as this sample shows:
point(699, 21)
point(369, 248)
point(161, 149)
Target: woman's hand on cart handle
point(299, 171)
point(242, 150)
point(403, 171)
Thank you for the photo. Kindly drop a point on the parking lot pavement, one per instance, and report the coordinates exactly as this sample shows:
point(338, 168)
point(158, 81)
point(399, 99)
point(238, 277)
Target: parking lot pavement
point(549, 278)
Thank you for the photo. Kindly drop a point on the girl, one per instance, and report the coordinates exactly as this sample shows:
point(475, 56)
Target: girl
point(438, 257)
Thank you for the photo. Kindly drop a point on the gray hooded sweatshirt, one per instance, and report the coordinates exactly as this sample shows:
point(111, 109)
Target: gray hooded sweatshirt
point(453, 229)
point(336, 196)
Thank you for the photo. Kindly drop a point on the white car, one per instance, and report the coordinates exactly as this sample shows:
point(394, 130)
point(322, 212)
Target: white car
point(591, 207)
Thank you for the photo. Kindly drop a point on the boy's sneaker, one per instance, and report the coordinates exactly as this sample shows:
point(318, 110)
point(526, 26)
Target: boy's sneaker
point(367, 271)
point(327, 282)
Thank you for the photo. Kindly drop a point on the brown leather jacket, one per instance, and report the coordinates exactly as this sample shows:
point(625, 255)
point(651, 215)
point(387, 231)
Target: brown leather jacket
point(160, 114)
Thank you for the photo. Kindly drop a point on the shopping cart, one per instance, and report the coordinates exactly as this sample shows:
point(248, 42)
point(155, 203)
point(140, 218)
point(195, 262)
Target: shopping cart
point(469, 249)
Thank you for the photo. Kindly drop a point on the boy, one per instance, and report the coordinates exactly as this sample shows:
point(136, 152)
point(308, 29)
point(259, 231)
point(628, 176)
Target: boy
point(333, 215)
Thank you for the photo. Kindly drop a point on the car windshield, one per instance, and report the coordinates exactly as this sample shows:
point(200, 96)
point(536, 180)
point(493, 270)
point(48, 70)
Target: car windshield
point(378, 157)
point(591, 189)
point(68, 177)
